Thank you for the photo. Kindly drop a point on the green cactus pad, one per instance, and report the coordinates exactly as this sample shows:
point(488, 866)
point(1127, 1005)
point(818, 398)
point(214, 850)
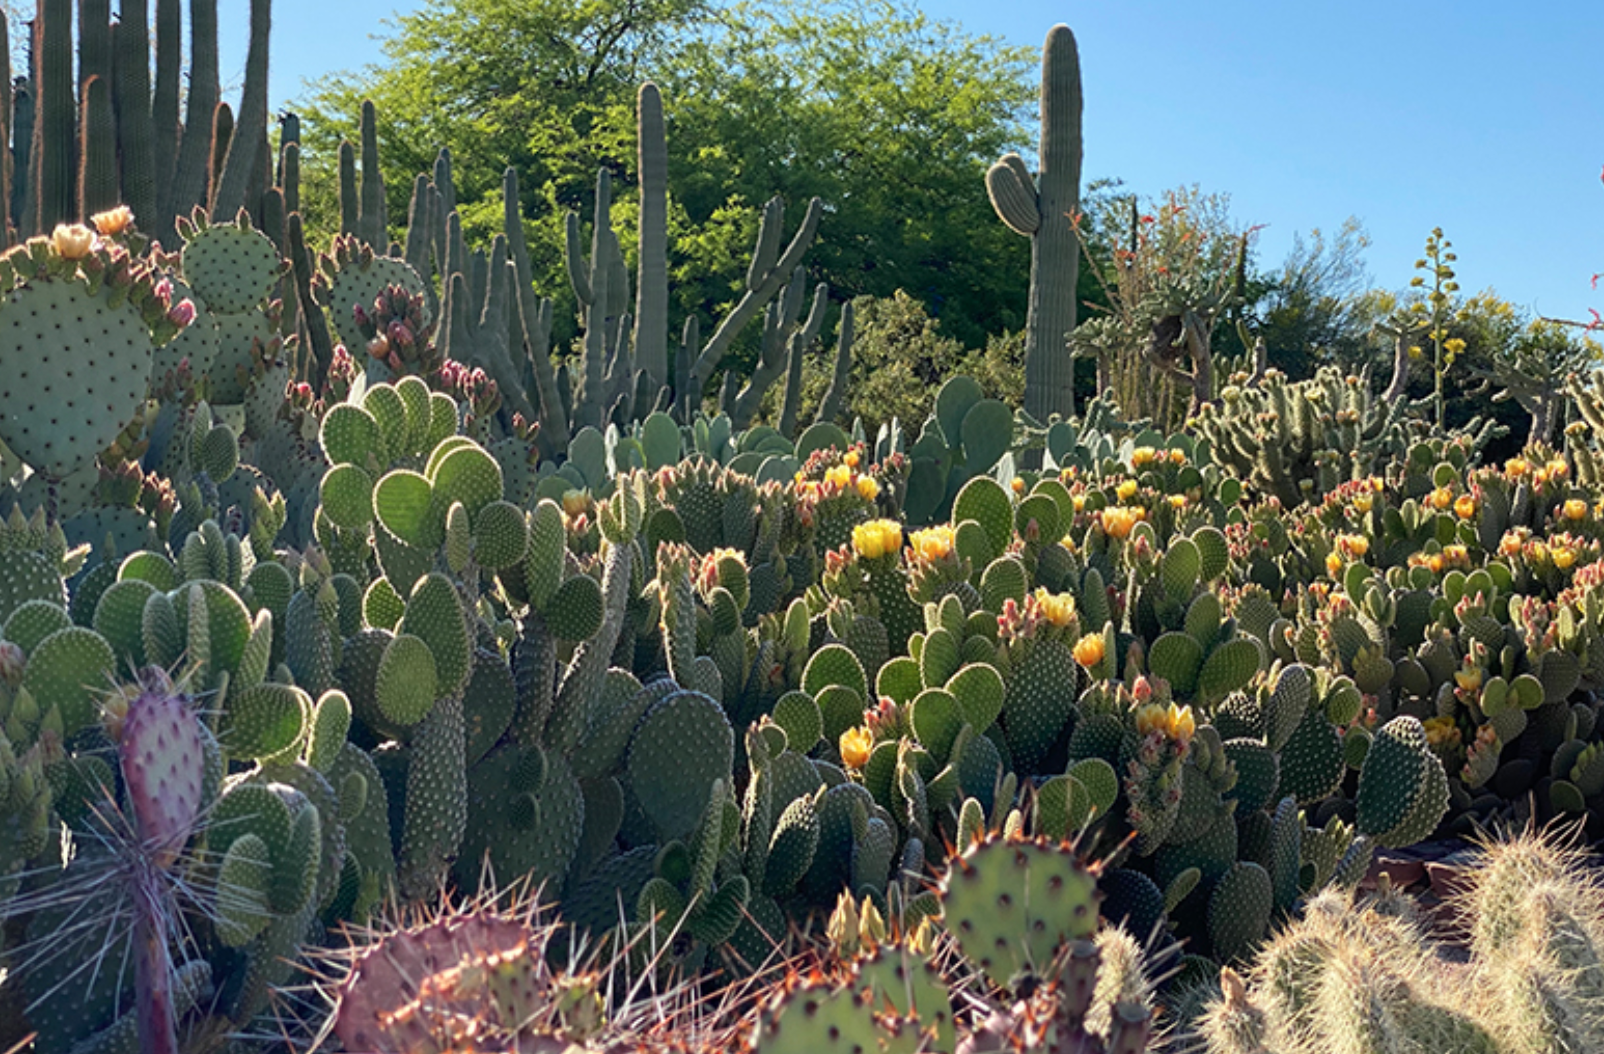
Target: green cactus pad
point(434, 614)
point(834, 664)
point(403, 503)
point(1177, 657)
point(682, 745)
point(467, 474)
point(1312, 760)
point(407, 681)
point(1229, 667)
point(500, 536)
point(1040, 703)
point(68, 671)
point(1239, 910)
point(75, 371)
point(242, 881)
point(1399, 784)
point(346, 493)
point(984, 500)
point(33, 621)
point(1011, 904)
point(232, 268)
point(575, 611)
point(980, 693)
point(263, 721)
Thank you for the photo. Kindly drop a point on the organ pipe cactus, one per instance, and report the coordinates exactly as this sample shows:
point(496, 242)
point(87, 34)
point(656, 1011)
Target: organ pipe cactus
point(1045, 209)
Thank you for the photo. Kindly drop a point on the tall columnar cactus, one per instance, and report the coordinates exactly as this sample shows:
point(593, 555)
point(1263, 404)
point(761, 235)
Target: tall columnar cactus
point(1045, 210)
point(651, 288)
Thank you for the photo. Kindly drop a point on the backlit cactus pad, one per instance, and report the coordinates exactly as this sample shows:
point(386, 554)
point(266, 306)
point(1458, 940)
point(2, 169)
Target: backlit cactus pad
point(79, 322)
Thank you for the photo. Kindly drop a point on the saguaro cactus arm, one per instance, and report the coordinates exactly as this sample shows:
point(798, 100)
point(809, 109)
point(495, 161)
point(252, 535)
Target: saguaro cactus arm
point(1045, 210)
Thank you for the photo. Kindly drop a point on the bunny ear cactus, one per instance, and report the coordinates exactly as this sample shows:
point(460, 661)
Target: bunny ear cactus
point(1045, 210)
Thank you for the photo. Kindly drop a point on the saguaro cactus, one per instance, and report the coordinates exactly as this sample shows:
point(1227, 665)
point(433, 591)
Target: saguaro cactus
point(1044, 209)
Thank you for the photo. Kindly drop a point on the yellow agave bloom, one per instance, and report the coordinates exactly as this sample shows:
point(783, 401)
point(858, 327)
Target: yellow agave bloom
point(1126, 490)
point(1089, 650)
point(1058, 609)
point(1574, 509)
point(868, 489)
point(1118, 520)
point(932, 543)
point(855, 746)
point(876, 538)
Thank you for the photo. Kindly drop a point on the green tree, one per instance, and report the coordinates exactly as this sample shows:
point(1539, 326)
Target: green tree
point(887, 116)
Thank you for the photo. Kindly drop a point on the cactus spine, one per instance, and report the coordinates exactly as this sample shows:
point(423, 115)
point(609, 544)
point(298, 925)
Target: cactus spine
point(1045, 211)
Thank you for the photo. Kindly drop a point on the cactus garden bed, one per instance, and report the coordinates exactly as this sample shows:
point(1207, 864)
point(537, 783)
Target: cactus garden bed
point(373, 679)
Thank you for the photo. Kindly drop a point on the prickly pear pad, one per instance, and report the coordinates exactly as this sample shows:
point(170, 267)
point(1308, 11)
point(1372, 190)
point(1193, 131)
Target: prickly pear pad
point(75, 355)
point(1011, 903)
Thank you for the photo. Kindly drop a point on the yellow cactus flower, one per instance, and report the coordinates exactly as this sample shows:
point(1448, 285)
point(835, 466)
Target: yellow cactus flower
point(1563, 558)
point(1574, 509)
point(575, 502)
point(1177, 457)
point(72, 240)
point(1126, 490)
point(1182, 725)
point(1465, 507)
point(1441, 731)
point(1151, 718)
point(932, 543)
point(1516, 466)
point(1058, 609)
point(1354, 546)
point(1468, 678)
point(1333, 564)
point(1540, 477)
point(1118, 521)
point(1079, 501)
point(1089, 650)
point(868, 489)
point(851, 459)
point(1509, 545)
point(1018, 485)
point(113, 221)
point(1558, 468)
point(839, 476)
point(1362, 503)
point(876, 538)
point(1177, 501)
point(1143, 456)
point(1442, 498)
point(856, 743)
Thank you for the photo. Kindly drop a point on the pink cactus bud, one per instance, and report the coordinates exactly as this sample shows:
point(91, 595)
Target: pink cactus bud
point(399, 334)
point(379, 347)
point(360, 315)
point(182, 313)
point(1142, 690)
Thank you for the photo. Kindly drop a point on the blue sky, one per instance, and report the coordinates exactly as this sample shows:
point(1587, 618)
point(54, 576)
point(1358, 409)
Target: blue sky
point(1408, 115)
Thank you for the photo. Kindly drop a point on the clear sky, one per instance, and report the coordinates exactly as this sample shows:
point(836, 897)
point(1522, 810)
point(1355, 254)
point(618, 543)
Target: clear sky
point(1484, 118)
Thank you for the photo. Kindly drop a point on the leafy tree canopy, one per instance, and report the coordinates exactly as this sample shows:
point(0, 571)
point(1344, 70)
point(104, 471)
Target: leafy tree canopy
point(887, 116)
